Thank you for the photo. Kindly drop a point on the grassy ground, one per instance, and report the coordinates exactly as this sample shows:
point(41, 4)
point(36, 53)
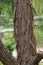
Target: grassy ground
point(41, 63)
point(1, 63)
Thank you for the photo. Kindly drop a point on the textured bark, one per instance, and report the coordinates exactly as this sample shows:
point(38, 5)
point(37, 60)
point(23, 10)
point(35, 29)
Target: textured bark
point(6, 57)
point(24, 32)
point(23, 28)
point(37, 58)
point(26, 44)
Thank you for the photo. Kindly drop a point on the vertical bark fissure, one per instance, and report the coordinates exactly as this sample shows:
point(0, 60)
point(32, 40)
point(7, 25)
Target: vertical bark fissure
point(24, 32)
point(24, 37)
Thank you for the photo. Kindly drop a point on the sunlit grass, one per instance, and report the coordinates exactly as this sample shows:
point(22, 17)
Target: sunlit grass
point(1, 63)
point(41, 63)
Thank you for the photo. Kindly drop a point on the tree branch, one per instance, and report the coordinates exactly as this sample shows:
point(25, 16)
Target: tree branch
point(37, 58)
point(5, 56)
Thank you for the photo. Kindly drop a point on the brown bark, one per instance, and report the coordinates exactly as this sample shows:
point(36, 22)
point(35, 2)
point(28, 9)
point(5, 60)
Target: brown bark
point(23, 24)
point(24, 32)
point(26, 45)
point(6, 57)
point(37, 58)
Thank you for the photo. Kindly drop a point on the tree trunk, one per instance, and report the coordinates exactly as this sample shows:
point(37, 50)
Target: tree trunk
point(5, 56)
point(23, 25)
point(26, 44)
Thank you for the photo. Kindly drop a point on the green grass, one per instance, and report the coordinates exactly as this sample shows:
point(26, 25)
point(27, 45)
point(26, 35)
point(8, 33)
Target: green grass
point(41, 63)
point(1, 63)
